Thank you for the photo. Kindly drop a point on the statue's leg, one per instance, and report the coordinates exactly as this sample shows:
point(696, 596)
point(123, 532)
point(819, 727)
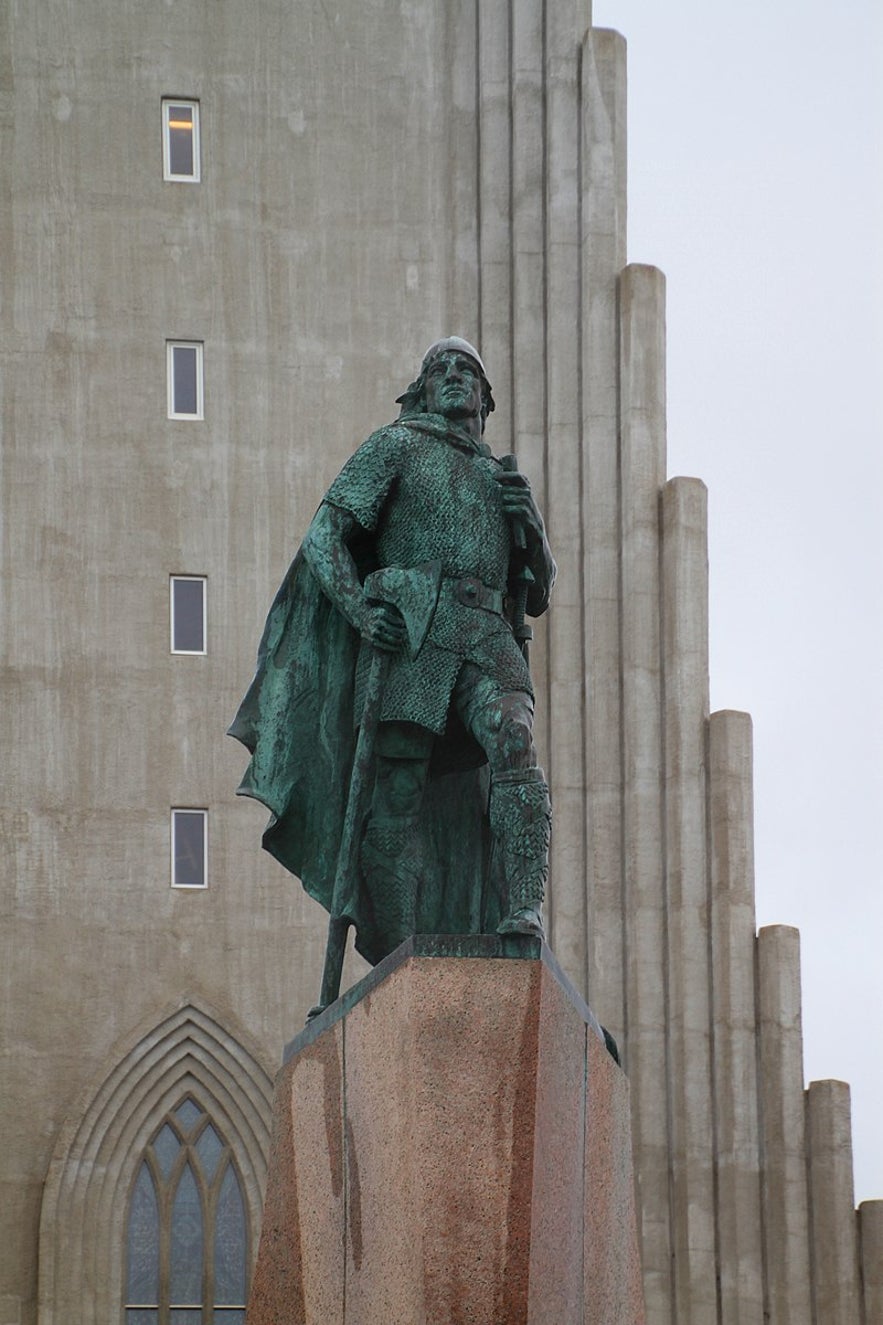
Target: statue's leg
point(390, 859)
point(520, 809)
point(521, 821)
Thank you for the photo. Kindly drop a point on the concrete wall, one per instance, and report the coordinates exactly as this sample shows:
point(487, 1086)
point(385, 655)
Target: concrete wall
point(312, 261)
point(373, 175)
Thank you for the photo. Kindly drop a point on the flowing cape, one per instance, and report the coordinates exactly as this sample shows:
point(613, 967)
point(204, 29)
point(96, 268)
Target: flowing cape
point(297, 722)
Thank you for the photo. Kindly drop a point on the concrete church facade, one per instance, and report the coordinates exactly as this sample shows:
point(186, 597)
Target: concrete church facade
point(227, 233)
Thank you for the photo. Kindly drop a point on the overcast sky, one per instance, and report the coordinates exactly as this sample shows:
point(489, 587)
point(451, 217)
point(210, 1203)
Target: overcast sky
point(756, 184)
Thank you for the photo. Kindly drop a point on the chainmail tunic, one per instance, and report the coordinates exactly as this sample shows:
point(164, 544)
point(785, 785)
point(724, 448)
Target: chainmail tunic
point(427, 492)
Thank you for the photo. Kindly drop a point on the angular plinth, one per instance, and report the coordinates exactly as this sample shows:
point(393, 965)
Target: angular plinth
point(451, 1144)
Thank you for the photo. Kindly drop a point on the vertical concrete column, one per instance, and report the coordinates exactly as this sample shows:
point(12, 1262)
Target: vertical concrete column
point(494, 197)
point(564, 512)
point(8, 266)
point(870, 1223)
point(461, 76)
point(603, 255)
point(737, 1135)
point(685, 669)
point(642, 441)
point(528, 280)
point(782, 1119)
point(833, 1242)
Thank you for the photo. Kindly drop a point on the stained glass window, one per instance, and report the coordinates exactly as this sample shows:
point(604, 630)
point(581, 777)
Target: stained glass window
point(229, 1243)
point(165, 1147)
point(187, 1231)
point(143, 1277)
point(209, 1147)
point(188, 1114)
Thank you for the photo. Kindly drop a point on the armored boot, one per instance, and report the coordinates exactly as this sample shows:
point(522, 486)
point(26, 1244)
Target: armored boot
point(391, 870)
point(521, 821)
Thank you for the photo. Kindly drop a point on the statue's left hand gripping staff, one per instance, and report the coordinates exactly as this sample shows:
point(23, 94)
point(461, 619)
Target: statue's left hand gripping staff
point(413, 594)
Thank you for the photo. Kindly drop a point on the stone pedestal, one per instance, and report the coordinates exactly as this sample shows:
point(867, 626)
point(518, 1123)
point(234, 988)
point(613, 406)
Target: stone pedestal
point(451, 1144)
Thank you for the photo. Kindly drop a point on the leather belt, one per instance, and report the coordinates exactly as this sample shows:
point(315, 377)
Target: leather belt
point(472, 592)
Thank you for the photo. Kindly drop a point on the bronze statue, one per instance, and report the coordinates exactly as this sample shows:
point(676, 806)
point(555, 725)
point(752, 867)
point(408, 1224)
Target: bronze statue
point(390, 719)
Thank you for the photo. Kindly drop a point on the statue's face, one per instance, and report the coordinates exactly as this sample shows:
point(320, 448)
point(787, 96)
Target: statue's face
point(453, 386)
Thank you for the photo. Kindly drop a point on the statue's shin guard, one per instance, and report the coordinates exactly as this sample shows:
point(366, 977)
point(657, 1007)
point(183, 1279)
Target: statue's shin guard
point(391, 869)
point(521, 822)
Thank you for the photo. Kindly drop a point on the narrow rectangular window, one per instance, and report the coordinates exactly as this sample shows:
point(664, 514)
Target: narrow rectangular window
point(187, 610)
point(184, 369)
point(189, 848)
point(180, 140)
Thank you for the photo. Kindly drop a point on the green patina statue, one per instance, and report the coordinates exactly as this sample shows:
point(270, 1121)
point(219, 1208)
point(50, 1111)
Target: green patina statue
point(390, 718)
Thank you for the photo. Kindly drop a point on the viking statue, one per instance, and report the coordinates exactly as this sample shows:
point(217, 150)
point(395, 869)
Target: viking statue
point(390, 720)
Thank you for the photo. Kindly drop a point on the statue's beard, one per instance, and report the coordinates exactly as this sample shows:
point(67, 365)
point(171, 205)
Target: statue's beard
point(457, 408)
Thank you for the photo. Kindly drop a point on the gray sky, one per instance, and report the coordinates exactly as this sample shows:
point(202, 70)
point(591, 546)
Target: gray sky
point(756, 184)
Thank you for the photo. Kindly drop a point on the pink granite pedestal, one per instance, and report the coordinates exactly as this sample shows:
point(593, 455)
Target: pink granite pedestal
point(451, 1145)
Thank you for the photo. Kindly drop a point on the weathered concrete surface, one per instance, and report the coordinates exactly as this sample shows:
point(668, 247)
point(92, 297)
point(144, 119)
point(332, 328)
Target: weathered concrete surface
point(833, 1241)
point(603, 182)
point(685, 659)
point(643, 905)
point(783, 1127)
point(455, 1147)
point(737, 1140)
point(870, 1216)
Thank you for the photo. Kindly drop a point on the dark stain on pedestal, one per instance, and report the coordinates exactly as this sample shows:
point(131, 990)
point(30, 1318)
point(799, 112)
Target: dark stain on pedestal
point(332, 1084)
point(354, 1198)
point(515, 1278)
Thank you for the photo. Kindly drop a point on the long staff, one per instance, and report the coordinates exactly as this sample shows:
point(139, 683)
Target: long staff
point(524, 577)
point(345, 875)
point(413, 593)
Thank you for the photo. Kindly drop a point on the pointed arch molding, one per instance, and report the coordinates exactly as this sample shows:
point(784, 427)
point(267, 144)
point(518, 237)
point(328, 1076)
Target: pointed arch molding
point(99, 1148)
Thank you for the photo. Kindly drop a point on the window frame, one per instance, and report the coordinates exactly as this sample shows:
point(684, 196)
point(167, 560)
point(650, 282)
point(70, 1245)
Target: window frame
point(189, 809)
point(192, 579)
point(167, 173)
point(198, 346)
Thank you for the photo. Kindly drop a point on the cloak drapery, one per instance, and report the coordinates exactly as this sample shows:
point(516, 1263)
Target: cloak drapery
point(298, 724)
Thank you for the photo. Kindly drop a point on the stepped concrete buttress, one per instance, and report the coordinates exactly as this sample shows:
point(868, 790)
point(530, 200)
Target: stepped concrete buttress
point(451, 1143)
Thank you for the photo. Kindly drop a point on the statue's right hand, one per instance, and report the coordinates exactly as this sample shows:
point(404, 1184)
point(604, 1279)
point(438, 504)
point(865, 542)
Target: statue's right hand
point(384, 627)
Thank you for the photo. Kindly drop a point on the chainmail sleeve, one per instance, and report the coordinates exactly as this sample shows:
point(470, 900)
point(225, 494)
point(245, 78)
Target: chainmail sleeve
point(367, 478)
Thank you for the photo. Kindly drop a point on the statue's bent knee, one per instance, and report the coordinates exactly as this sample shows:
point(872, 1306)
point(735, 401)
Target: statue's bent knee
point(515, 739)
point(505, 731)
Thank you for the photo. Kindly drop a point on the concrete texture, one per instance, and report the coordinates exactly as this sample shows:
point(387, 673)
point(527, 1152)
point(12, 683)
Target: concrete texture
point(685, 659)
point(463, 1123)
point(783, 1128)
point(643, 905)
point(870, 1216)
point(565, 688)
point(737, 1125)
point(603, 184)
point(833, 1240)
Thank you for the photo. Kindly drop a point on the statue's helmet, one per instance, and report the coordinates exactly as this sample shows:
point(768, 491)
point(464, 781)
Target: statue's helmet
point(457, 345)
point(414, 399)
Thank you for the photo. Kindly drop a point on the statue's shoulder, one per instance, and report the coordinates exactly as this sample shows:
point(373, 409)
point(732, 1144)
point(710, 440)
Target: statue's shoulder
point(389, 438)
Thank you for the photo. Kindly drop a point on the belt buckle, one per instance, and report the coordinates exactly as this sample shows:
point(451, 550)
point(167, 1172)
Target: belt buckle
point(469, 591)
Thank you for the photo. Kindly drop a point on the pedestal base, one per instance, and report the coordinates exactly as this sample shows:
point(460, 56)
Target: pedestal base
point(451, 1144)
